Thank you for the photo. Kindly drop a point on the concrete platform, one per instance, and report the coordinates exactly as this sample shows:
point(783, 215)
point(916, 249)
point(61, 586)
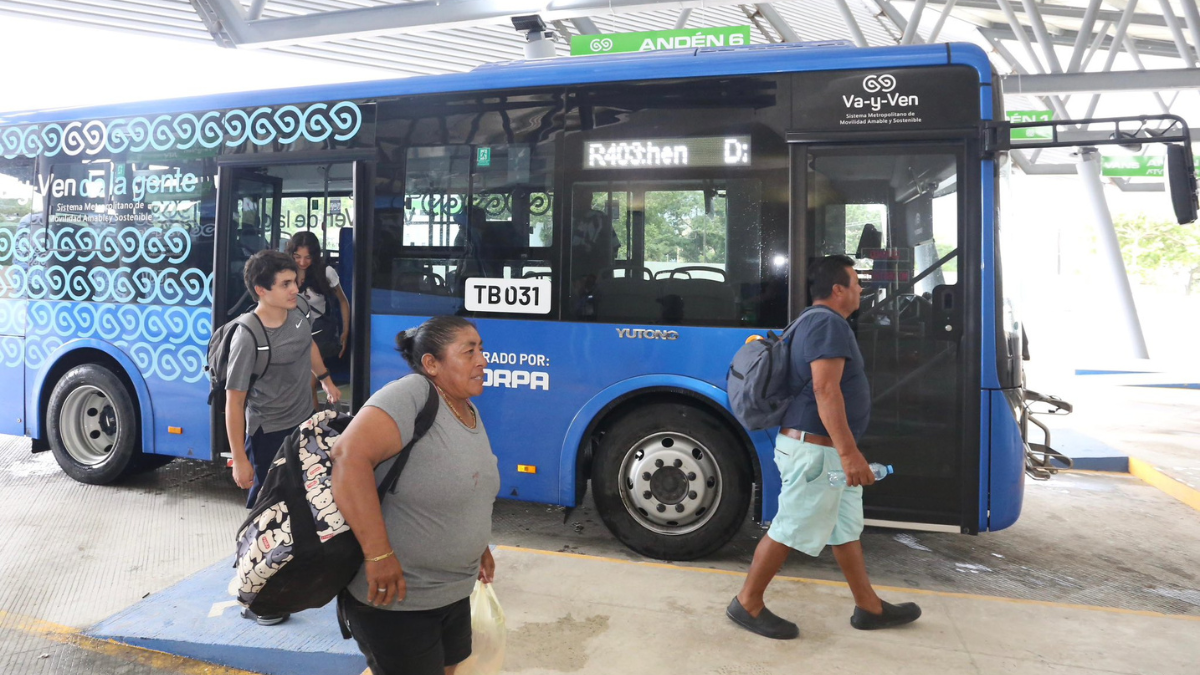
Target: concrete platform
point(1099, 575)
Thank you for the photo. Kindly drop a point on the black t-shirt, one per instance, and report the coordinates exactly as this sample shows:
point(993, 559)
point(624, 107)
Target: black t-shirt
point(824, 334)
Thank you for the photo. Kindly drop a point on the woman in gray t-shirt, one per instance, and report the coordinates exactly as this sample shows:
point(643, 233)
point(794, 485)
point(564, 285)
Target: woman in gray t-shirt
point(428, 542)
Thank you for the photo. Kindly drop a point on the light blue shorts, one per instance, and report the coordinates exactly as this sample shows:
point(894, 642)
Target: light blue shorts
point(813, 513)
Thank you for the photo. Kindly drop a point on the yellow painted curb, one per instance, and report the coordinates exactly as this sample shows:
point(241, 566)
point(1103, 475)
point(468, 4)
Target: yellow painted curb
point(129, 653)
point(1144, 470)
point(842, 584)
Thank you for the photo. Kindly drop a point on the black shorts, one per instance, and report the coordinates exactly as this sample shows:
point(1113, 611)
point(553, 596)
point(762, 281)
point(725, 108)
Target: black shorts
point(411, 643)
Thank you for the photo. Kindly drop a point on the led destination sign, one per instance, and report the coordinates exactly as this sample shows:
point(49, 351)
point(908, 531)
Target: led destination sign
point(668, 153)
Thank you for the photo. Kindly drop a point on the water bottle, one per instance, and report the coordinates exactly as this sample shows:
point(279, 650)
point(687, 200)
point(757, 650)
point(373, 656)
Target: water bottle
point(838, 478)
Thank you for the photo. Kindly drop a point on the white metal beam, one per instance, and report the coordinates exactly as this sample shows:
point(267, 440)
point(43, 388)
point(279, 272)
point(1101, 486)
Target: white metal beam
point(585, 26)
point(1193, 21)
point(1043, 37)
point(682, 19)
point(1185, 52)
point(1137, 61)
point(856, 33)
point(779, 23)
point(420, 14)
point(896, 18)
point(1019, 32)
point(914, 20)
point(945, 14)
point(256, 9)
point(1169, 79)
point(1085, 35)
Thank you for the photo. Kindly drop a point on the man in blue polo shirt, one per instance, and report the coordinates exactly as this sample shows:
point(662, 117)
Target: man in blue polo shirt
point(820, 431)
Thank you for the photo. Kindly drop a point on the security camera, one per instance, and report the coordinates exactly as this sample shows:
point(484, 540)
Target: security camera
point(530, 23)
point(539, 42)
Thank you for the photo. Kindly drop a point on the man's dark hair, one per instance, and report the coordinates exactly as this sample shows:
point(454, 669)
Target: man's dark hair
point(262, 267)
point(827, 272)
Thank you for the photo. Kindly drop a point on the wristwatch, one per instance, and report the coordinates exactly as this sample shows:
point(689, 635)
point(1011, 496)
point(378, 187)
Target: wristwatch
point(323, 375)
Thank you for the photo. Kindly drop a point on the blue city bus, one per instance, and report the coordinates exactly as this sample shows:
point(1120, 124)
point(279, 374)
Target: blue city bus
point(616, 226)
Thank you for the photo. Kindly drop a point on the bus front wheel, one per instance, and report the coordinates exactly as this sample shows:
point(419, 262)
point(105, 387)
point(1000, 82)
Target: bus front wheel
point(91, 424)
point(671, 482)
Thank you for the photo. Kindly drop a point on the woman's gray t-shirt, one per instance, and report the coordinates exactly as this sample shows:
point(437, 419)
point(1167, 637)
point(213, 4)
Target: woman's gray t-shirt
point(439, 519)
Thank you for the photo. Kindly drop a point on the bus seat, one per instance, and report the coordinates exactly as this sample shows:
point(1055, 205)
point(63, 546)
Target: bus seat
point(700, 300)
point(345, 263)
point(626, 299)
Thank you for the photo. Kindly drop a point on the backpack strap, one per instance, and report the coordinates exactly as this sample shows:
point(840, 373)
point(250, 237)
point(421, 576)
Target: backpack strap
point(262, 344)
point(422, 425)
point(303, 305)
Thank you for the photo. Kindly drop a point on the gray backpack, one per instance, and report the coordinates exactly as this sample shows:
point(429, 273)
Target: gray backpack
point(757, 383)
point(217, 362)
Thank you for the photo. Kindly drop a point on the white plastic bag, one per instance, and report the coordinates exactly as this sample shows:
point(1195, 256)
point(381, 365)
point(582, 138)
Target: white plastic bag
point(488, 633)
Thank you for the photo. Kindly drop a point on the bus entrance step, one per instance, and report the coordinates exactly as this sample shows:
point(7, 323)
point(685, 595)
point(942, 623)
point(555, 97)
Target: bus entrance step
point(198, 619)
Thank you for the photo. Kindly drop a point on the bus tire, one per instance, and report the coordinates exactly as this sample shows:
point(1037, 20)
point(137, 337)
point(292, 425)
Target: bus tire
point(671, 482)
point(92, 425)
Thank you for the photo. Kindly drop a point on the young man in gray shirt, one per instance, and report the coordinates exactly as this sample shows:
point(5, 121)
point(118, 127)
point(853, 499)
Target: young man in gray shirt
point(259, 416)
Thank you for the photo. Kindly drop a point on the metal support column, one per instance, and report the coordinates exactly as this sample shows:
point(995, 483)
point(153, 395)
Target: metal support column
point(682, 19)
point(914, 20)
point(1043, 36)
point(1181, 44)
point(1193, 21)
point(1110, 252)
point(856, 33)
point(786, 34)
point(937, 27)
point(1085, 33)
point(1113, 50)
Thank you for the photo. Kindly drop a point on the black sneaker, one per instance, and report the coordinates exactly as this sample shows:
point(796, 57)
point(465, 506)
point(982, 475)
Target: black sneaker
point(265, 620)
point(765, 624)
point(892, 615)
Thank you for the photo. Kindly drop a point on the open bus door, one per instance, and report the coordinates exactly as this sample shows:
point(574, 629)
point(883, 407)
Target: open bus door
point(248, 208)
point(903, 209)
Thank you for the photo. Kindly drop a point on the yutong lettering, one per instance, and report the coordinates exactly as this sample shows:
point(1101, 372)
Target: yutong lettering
point(647, 334)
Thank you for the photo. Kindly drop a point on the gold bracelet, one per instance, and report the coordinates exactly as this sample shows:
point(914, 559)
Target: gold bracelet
point(385, 556)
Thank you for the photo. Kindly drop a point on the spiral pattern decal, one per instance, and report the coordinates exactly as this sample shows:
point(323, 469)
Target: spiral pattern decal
point(107, 245)
point(167, 343)
point(262, 126)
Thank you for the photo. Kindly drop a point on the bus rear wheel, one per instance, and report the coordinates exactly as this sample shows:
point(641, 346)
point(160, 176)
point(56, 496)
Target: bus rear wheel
point(671, 482)
point(92, 425)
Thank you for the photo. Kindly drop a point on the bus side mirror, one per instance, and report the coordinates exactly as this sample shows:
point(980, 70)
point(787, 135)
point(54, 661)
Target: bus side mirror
point(1181, 177)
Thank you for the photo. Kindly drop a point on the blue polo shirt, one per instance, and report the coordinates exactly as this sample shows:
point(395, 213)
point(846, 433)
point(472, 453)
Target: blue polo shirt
point(823, 334)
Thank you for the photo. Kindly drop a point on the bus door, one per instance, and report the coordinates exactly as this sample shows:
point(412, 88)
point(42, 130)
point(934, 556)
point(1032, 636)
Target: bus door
point(907, 214)
point(260, 207)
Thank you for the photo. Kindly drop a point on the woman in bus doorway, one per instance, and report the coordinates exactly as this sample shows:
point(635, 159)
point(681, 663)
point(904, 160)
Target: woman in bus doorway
point(427, 543)
point(319, 284)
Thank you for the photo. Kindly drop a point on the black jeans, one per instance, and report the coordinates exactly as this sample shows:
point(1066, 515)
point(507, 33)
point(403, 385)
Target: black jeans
point(411, 643)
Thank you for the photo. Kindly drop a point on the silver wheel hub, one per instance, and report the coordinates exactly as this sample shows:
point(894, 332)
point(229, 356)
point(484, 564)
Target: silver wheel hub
point(89, 425)
point(670, 483)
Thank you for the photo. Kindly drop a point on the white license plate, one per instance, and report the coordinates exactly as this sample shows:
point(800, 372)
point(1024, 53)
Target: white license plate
point(512, 296)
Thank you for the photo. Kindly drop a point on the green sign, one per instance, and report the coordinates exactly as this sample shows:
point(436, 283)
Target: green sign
point(1132, 166)
point(657, 40)
point(483, 157)
point(1039, 133)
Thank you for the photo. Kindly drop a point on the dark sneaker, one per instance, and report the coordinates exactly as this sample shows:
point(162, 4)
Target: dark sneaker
point(765, 624)
point(265, 620)
point(893, 615)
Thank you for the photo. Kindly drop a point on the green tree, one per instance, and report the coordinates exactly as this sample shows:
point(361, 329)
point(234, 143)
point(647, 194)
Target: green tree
point(1151, 247)
point(678, 228)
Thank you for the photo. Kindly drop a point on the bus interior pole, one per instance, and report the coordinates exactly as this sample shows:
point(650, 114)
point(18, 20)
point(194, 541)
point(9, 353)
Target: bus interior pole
point(1110, 253)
